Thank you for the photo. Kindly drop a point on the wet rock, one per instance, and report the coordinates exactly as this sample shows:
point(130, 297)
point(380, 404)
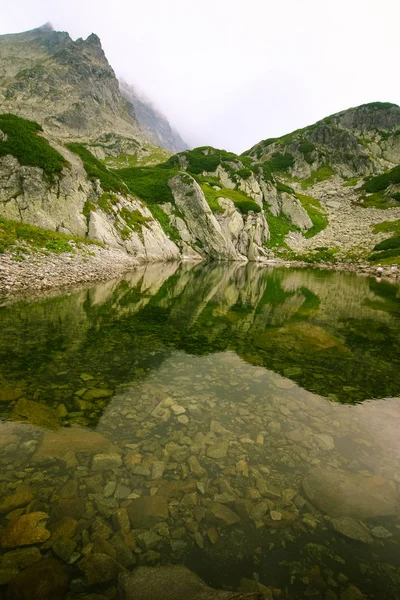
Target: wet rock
point(148, 540)
point(74, 508)
point(97, 393)
point(352, 593)
point(195, 467)
point(146, 511)
point(342, 493)
point(221, 514)
point(325, 442)
point(10, 394)
point(21, 558)
point(6, 575)
point(157, 469)
point(380, 532)
point(100, 568)
point(36, 414)
point(63, 548)
point(106, 462)
point(172, 583)
point(268, 490)
point(350, 528)
point(21, 497)
point(57, 445)
point(121, 520)
point(219, 450)
point(45, 580)
point(25, 530)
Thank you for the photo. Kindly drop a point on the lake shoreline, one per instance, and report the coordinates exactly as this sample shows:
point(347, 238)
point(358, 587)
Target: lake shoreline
point(43, 274)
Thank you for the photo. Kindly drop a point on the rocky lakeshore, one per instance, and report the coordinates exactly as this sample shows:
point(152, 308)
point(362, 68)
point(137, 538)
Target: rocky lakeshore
point(38, 273)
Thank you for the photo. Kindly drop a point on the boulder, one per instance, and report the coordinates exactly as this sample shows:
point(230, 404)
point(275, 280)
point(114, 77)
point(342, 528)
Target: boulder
point(173, 583)
point(340, 493)
point(44, 580)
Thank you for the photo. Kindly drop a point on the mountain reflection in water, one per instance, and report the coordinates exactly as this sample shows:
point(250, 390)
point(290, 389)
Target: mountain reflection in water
point(238, 419)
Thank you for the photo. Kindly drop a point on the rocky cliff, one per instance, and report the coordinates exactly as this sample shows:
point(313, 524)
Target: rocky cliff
point(83, 167)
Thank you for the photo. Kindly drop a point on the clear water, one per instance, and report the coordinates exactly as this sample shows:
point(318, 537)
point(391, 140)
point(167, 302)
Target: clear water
point(272, 393)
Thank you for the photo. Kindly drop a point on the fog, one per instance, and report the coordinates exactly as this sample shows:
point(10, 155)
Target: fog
point(229, 73)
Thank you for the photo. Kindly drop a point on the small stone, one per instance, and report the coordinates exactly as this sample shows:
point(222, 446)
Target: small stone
point(97, 393)
point(212, 535)
point(221, 514)
point(106, 462)
point(63, 548)
point(275, 515)
point(148, 540)
point(325, 442)
point(219, 450)
point(195, 467)
point(109, 489)
point(201, 488)
point(121, 520)
point(157, 469)
point(183, 420)
point(141, 470)
point(177, 409)
point(380, 532)
point(122, 492)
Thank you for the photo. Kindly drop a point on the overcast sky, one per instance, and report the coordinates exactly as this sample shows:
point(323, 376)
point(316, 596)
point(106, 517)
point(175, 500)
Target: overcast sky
point(232, 72)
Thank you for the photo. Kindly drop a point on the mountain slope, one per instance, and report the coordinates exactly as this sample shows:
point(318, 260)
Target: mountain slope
point(154, 124)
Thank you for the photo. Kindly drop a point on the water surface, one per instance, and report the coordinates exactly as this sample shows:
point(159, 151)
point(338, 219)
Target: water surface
point(238, 419)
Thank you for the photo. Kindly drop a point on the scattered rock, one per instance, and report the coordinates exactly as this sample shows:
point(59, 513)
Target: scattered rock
point(352, 529)
point(100, 568)
point(146, 511)
point(26, 530)
point(106, 462)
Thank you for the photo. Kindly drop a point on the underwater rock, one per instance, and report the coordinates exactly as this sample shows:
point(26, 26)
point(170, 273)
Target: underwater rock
point(173, 583)
point(36, 414)
point(146, 511)
point(55, 445)
point(44, 580)
point(25, 530)
point(350, 528)
point(341, 493)
point(100, 568)
point(21, 497)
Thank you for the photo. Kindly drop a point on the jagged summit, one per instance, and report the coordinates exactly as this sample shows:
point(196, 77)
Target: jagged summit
point(69, 87)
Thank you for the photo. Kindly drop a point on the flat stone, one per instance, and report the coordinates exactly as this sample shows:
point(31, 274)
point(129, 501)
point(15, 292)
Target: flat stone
point(25, 530)
point(97, 393)
point(221, 514)
point(340, 493)
point(109, 489)
point(177, 409)
point(21, 558)
point(219, 450)
point(173, 583)
point(381, 533)
point(146, 511)
point(352, 529)
point(56, 445)
point(63, 548)
point(36, 414)
point(325, 442)
point(106, 462)
point(21, 497)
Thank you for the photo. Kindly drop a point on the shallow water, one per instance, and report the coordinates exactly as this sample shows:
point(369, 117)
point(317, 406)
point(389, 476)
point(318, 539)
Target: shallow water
point(240, 420)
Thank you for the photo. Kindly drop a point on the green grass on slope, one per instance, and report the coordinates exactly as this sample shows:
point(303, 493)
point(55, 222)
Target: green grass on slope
point(30, 149)
point(315, 212)
point(387, 226)
point(389, 248)
point(149, 183)
point(380, 183)
point(13, 232)
point(317, 176)
point(279, 227)
point(95, 169)
point(242, 202)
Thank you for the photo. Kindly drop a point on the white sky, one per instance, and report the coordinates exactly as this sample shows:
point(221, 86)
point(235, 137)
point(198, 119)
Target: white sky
point(232, 72)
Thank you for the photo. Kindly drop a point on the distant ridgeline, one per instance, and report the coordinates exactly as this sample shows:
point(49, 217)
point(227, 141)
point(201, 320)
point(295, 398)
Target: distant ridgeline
point(88, 163)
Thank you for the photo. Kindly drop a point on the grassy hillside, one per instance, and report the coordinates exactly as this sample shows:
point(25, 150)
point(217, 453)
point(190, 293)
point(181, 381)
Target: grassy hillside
point(22, 140)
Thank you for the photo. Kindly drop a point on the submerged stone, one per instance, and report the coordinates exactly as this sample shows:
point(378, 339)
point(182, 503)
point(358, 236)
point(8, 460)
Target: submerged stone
point(21, 497)
point(36, 414)
point(26, 530)
point(173, 583)
point(100, 568)
point(350, 528)
point(146, 511)
point(45, 580)
point(341, 493)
